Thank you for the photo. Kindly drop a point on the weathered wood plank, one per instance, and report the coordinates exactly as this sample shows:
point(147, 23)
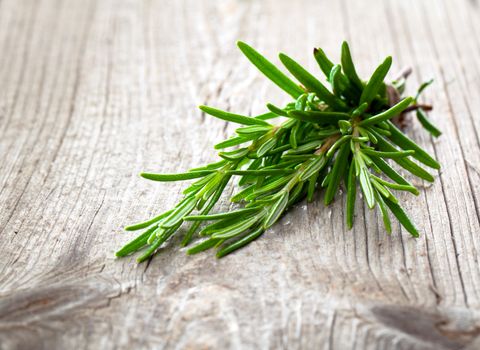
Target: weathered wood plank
point(95, 91)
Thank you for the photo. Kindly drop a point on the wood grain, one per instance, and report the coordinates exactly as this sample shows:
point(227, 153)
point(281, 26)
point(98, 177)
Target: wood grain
point(93, 92)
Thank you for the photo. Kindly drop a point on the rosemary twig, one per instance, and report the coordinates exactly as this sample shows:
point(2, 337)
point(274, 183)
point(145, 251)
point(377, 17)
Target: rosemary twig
point(328, 137)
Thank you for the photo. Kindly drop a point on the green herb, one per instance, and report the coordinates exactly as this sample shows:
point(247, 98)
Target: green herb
point(334, 135)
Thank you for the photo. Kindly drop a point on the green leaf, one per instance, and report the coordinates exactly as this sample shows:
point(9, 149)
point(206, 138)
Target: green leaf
point(325, 64)
point(393, 155)
point(147, 223)
point(294, 135)
point(150, 250)
point(234, 141)
point(297, 192)
point(266, 147)
point(427, 124)
point(210, 204)
point(312, 182)
point(311, 83)
point(254, 165)
point(351, 194)
point(136, 243)
point(360, 110)
point(221, 216)
point(234, 155)
point(255, 130)
point(366, 186)
point(205, 245)
point(270, 186)
point(337, 144)
point(240, 243)
point(341, 85)
point(326, 180)
point(383, 210)
point(345, 127)
point(301, 102)
point(314, 166)
point(379, 130)
point(261, 172)
point(388, 114)
point(191, 231)
point(211, 166)
point(155, 245)
point(368, 134)
point(390, 172)
point(349, 68)
point(405, 163)
point(277, 110)
point(335, 81)
point(270, 71)
point(396, 186)
point(306, 147)
point(176, 177)
point(376, 81)
point(231, 117)
point(318, 116)
point(403, 141)
point(242, 194)
point(198, 185)
point(157, 233)
point(298, 157)
point(338, 169)
point(422, 87)
point(266, 116)
point(182, 209)
point(216, 226)
point(360, 139)
point(400, 214)
point(380, 188)
point(276, 210)
point(236, 228)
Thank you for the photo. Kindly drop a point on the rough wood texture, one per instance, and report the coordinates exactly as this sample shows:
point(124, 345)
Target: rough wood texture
point(93, 91)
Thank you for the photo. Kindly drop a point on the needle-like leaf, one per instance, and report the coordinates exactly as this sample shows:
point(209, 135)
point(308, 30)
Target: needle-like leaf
point(367, 188)
point(403, 141)
point(311, 83)
point(375, 82)
point(240, 243)
point(351, 195)
point(349, 68)
point(325, 64)
point(176, 177)
point(337, 173)
point(179, 212)
point(232, 117)
point(236, 228)
point(270, 71)
point(207, 244)
point(400, 214)
point(388, 114)
point(427, 124)
point(323, 118)
point(276, 210)
point(147, 223)
point(384, 211)
point(221, 216)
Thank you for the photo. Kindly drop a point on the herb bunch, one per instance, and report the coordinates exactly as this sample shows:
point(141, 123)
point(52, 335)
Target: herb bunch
point(329, 136)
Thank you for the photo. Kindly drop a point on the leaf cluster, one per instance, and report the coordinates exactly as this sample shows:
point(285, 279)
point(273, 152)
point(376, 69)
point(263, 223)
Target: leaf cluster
point(330, 135)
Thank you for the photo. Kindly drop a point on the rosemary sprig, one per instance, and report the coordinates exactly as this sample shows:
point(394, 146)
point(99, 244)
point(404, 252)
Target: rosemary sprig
point(343, 133)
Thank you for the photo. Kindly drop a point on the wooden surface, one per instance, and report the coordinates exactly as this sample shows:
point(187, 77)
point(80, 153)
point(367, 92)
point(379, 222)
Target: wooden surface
point(93, 92)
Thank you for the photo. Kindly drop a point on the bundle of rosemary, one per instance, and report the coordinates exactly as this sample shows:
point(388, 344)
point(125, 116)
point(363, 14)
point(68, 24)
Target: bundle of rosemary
point(344, 134)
